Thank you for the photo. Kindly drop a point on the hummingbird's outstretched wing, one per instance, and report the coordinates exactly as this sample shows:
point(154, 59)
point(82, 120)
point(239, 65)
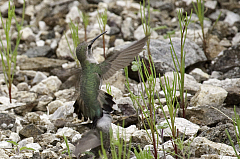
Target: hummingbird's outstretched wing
point(121, 59)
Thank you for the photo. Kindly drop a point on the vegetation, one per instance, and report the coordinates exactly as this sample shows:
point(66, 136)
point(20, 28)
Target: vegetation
point(20, 149)
point(9, 66)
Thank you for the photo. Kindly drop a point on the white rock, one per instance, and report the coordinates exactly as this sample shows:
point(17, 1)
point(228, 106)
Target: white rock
point(210, 4)
point(4, 6)
point(33, 117)
point(199, 75)
point(30, 11)
point(139, 33)
point(68, 132)
point(73, 14)
point(14, 137)
point(76, 137)
point(23, 86)
point(118, 42)
point(5, 144)
point(235, 82)
point(39, 77)
point(115, 92)
point(25, 141)
point(209, 95)
point(3, 155)
point(127, 28)
point(27, 34)
point(42, 25)
point(54, 105)
point(34, 146)
point(63, 111)
point(54, 44)
point(46, 86)
point(231, 18)
point(98, 54)
point(184, 127)
point(4, 89)
point(124, 133)
point(65, 95)
point(26, 96)
point(40, 43)
point(236, 39)
point(48, 154)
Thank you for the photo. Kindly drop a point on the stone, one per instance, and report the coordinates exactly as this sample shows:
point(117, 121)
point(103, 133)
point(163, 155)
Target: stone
point(65, 95)
point(213, 47)
point(7, 120)
point(199, 75)
point(161, 48)
point(54, 105)
point(34, 146)
point(39, 51)
point(23, 109)
point(125, 106)
point(236, 39)
point(211, 4)
point(42, 25)
point(124, 133)
point(68, 132)
point(139, 33)
point(231, 18)
point(25, 141)
point(3, 155)
point(38, 77)
point(233, 97)
point(31, 130)
point(47, 86)
point(201, 146)
point(190, 84)
point(73, 14)
point(43, 101)
point(63, 111)
point(184, 127)
point(5, 144)
point(39, 63)
point(47, 139)
point(27, 34)
point(115, 92)
point(48, 154)
point(33, 117)
point(26, 96)
point(209, 95)
point(23, 86)
point(127, 29)
point(14, 137)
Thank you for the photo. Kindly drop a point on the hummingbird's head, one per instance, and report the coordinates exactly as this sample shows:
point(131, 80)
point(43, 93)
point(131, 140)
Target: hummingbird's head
point(84, 49)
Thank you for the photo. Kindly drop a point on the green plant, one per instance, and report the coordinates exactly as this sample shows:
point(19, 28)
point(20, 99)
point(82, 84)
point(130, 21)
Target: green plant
point(68, 149)
point(85, 19)
point(19, 149)
point(102, 21)
point(74, 32)
point(8, 53)
point(236, 123)
point(109, 89)
point(143, 154)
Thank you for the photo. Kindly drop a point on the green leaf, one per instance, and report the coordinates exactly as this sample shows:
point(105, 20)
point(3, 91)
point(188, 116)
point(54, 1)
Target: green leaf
point(26, 148)
point(13, 142)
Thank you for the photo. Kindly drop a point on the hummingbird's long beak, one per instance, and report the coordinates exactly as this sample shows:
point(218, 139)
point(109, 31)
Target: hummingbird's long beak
point(90, 45)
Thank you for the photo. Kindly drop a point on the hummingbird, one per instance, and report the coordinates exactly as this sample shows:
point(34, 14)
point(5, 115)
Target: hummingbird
point(91, 100)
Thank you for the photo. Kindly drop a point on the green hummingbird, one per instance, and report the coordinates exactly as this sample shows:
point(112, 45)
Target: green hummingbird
point(91, 101)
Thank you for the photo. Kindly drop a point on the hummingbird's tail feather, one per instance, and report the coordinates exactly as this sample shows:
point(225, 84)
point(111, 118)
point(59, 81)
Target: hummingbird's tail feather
point(106, 101)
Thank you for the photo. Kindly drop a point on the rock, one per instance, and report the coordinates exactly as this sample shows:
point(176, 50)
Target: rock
point(218, 134)
point(205, 115)
point(201, 146)
point(25, 141)
point(4, 89)
point(231, 18)
point(190, 84)
point(124, 133)
point(74, 15)
point(31, 130)
point(140, 137)
point(115, 92)
point(211, 4)
point(233, 97)
point(42, 25)
point(209, 95)
point(39, 77)
point(27, 34)
point(139, 33)
point(3, 155)
point(7, 121)
point(23, 109)
point(23, 86)
point(127, 29)
point(63, 111)
point(184, 127)
point(210, 156)
point(5, 144)
point(33, 117)
point(43, 102)
point(65, 95)
point(39, 51)
point(199, 75)
point(68, 132)
point(39, 63)
point(47, 139)
point(236, 39)
point(161, 48)
point(47, 86)
point(125, 106)
point(48, 154)
point(54, 105)
point(26, 96)
point(14, 137)
point(34, 146)
point(213, 47)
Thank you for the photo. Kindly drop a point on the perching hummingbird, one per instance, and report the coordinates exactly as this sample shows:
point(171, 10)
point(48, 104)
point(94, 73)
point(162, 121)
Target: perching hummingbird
point(91, 101)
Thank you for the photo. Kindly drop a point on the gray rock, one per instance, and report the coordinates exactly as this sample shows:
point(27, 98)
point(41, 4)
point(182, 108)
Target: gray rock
point(26, 96)
point(3, 154)
point(47, 86)
point(231, 18)
point(54, 105)
point(209, 95)
point(7, 120)
point(23, 109)
point(210, 4)
point(127, 29)
point(33, 117)
point(39, 63)
point(38, 77)
point(25, 141)
point(115, 92)
point(23, 86)
point(184, 127)
point(161, 49)
point(31, 130)
point(190, 84)
point(68, 132)
point(47, 139)
point(34, 146)
point(43, 102)
point(65, 95)
point(236, 39)
point(39, 51)
point(139, 33)
point(199, 75)
point(48, 154)
point(201, 146)
point(63, 111)
point(27, 34)
point(14, 137)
